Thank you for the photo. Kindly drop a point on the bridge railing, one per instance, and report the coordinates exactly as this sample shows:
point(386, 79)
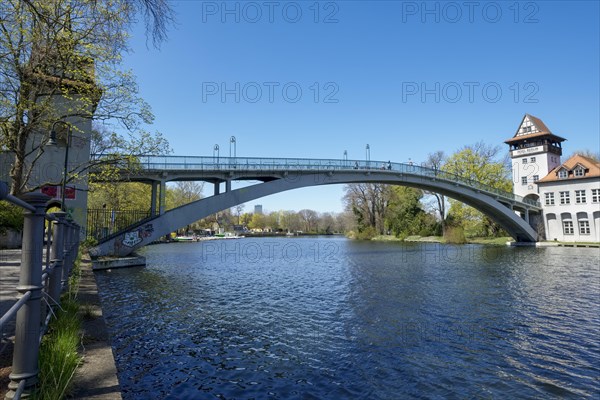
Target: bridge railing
point(215, 163)
point(39, 288)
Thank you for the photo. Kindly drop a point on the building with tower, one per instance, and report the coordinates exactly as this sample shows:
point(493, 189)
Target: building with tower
point(569, 192)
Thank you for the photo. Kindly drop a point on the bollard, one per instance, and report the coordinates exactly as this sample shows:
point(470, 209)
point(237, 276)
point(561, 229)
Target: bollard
point(27, 334)
point(58, 254)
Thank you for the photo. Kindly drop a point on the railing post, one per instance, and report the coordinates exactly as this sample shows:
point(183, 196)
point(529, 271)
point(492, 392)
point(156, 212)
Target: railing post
point(27, 334)
point(58, 255)
point(66, 270)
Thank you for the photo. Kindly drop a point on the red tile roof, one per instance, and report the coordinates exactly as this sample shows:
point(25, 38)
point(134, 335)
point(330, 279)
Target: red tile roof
point(542, 131)
point(592, 169)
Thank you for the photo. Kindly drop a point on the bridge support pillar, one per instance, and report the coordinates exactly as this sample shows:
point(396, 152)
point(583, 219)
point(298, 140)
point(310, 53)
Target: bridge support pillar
point(163, 195)
point(228, 186)
point(527, 215)
point(217, 188)
point(153, 198)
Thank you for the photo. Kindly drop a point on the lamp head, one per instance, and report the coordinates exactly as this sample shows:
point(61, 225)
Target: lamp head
point(52, 141)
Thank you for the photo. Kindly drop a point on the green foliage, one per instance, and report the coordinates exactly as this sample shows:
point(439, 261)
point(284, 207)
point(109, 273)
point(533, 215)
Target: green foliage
point(480, 163)
point(59, 358)
point(455, 235)
point(366, 233)
point(58, 353)
point(405, 216)
point(11, 217)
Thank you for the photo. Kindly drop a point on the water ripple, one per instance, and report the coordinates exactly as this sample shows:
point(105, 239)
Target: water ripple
point(366, 320)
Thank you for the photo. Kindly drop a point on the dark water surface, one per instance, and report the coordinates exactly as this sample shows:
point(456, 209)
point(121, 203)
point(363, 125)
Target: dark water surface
point(324, 318)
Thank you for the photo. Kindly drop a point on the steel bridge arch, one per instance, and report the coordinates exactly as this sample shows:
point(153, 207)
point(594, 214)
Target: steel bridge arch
point(498, 209)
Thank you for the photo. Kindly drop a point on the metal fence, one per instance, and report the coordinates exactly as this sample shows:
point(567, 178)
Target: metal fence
point(41, 282)
point(103, 223)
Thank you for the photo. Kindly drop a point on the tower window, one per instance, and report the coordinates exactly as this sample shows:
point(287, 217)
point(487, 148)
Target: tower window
point(536, 178)
point(532, 159)
point(524, 180)
point(525, 161)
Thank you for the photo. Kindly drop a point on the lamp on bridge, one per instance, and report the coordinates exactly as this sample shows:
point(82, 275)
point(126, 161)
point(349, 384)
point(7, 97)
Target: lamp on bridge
point(232, 143)
point(368, 155)
point(53, 142)
point(345, 155)
point(216, 153)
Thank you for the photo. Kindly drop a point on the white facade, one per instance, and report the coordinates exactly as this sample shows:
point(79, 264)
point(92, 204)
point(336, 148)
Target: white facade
point(569, 192)
point(529, 166)
point(535, 151)
point(571, 209)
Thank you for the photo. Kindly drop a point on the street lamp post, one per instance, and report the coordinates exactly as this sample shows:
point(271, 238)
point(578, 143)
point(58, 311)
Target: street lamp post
point(345, 158)
point(53, 142)
point(216, 153)
point(368, 154)
point(232, 142)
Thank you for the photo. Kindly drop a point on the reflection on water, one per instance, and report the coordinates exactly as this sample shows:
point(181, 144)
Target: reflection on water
point(332, 318)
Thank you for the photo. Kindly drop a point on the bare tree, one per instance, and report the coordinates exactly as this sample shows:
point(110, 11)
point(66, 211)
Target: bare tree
point(436, 161)
point(369, 203)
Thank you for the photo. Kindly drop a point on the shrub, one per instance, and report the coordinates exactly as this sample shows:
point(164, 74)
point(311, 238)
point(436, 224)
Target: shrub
point(11, 217)
point(455, 235)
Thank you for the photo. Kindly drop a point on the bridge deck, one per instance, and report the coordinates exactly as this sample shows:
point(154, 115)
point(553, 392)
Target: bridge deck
point(215, 169)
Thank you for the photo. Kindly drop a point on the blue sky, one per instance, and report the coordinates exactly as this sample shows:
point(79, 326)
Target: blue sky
point(408, 78)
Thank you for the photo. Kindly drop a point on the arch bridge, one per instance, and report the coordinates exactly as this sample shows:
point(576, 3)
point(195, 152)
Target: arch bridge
point(277, 175)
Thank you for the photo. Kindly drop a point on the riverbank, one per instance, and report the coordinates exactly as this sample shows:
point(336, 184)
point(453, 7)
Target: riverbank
point(96, 377)
point(496, 241)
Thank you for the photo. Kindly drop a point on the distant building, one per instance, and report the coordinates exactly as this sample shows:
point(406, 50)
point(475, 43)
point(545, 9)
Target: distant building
point(569, 192)
point(258, 209)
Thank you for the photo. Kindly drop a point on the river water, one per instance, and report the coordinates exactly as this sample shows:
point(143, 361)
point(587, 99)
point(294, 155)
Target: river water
point(330, 318)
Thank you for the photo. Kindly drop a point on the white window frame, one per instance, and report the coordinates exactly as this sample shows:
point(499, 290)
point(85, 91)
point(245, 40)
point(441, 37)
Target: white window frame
point(565, 197)
point(525, 160)
point(568, 227)
point(536, 178)
point(584, 227)
point(549, 197)
point(580, 197)
point(595, 195)
point(532, 159)
point(524, 180)
point(578, 172)
point(563, 174)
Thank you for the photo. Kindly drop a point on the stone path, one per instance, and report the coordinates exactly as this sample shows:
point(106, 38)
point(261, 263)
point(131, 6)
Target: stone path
point(97, 377)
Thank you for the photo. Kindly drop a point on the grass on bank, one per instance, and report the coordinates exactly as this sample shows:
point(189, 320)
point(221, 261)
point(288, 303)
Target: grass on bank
point(452, 236)
point(59, 356)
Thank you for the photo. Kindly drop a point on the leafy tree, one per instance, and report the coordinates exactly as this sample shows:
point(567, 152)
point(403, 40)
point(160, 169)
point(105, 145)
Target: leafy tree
point(119, 196)
point(480, 163)
point(405, 215)
point(258, 221)
point(183, 193)
point(66, 49)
